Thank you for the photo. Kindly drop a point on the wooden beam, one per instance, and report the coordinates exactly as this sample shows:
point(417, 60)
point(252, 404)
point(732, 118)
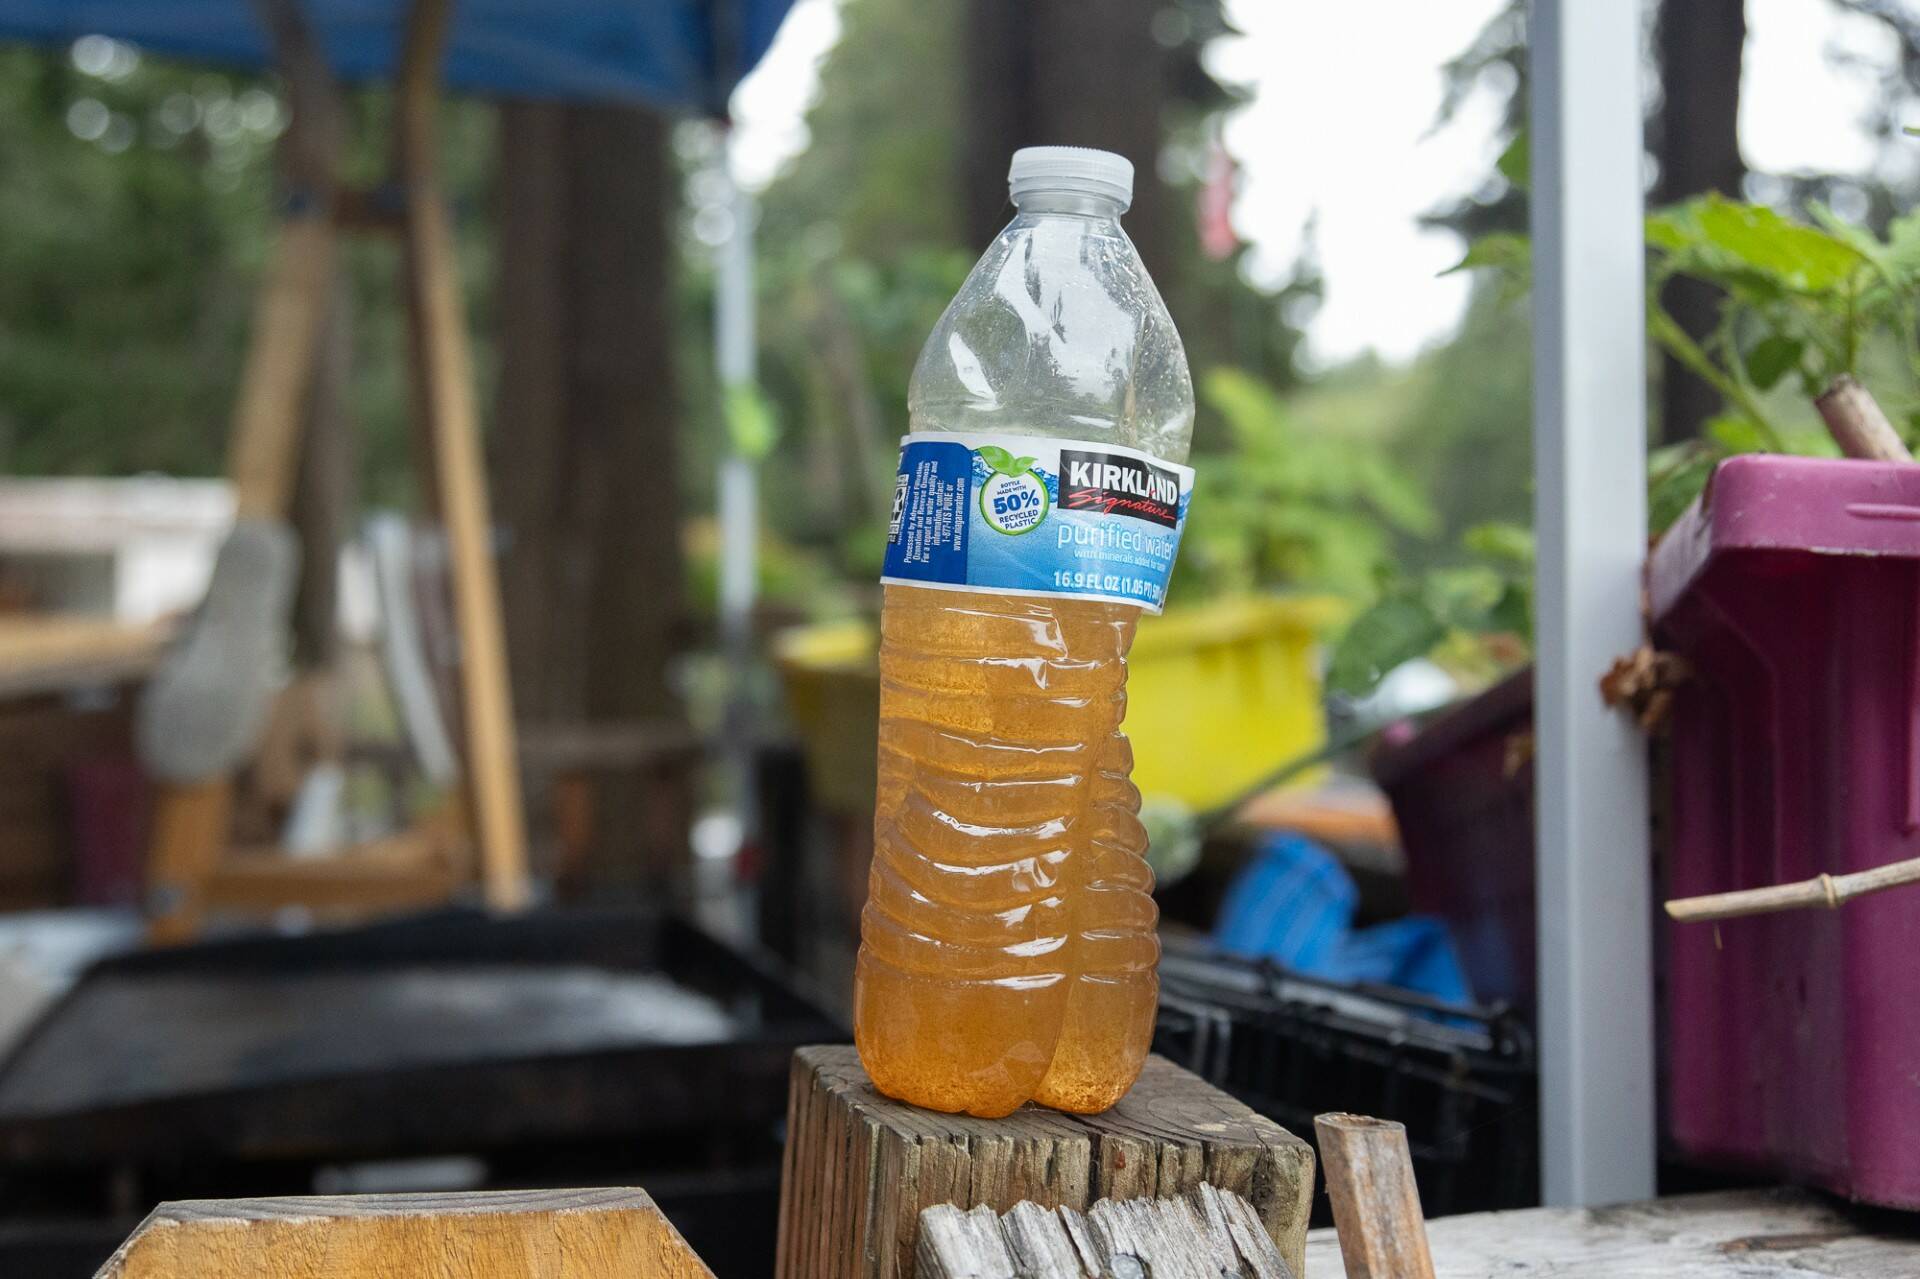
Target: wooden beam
point(419, 867)
point(861, 1168)
point(297, 292)
point(555, 1234)
point(442, 370)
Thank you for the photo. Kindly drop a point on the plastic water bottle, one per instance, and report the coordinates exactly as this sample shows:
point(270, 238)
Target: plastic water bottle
point(1008, 947)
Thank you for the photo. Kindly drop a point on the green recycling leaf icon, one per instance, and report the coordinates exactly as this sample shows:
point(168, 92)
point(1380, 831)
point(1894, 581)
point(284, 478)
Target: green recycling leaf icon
point(1002, 461)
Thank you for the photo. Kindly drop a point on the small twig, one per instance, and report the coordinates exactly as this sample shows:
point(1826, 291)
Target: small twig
point(1830, 891)
point(1376, 1209)
point(1857, 424)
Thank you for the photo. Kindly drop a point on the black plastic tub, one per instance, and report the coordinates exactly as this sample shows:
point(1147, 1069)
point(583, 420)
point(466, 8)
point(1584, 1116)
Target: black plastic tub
point(553, 1048)
point(1463, 1079)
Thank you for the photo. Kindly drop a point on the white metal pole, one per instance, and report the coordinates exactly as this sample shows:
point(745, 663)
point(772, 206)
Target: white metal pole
point(738, 497)
point(1594, 897)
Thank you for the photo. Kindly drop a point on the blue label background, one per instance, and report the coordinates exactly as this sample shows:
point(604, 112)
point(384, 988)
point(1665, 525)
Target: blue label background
point(988, 559)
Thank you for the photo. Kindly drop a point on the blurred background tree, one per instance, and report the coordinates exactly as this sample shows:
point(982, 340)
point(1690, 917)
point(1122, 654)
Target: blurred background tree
point(132, 229)
point(126, 267)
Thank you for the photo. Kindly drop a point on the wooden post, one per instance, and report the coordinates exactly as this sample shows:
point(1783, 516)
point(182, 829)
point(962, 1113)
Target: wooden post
point(444, 397)
point(190, 827)
point(556, 1234)
point(1383, 1234)
point(298, 294)
point(860, 1167)
point(289, 321)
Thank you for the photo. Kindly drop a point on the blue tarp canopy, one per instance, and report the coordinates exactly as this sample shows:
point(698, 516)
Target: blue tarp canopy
point(668, 53)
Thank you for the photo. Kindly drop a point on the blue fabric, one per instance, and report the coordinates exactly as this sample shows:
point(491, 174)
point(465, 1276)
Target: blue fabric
point(1293, 903)
point(667, 53)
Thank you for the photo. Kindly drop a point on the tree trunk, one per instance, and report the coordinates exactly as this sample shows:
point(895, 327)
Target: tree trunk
point(1082, 73)
point(584, 450)
point(1699, 47)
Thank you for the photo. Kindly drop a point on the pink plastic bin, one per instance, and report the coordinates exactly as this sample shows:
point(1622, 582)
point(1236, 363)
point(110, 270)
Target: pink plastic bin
point(1793, 1040)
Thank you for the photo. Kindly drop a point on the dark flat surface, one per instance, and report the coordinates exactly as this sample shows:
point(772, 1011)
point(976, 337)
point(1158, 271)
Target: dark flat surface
point(451, 1032)
point(147, 1038)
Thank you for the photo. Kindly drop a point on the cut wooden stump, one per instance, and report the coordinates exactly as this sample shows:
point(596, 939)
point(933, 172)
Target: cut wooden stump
point(1209, 1234)
point(556, 1234)
point(861, 1168)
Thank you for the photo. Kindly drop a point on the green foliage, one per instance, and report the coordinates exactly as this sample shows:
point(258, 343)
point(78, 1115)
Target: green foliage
point(129, 225)
point(751, 426)
point(1800, 305)
point(136, 216)
point(1797, 299)
point(1458, 604)
point(1283, 506)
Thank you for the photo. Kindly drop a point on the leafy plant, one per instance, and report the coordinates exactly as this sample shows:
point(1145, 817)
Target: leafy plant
point(1801, 307)
point(1800, 303)
point(1283, 506)
point(1481, 613)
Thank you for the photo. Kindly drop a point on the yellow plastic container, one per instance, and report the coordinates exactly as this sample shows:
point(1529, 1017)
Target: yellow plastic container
point(1217, 697)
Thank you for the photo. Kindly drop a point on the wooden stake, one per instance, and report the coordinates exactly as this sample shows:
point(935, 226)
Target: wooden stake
point(1858, 425)
point(1376, 1207)
point(444, 395)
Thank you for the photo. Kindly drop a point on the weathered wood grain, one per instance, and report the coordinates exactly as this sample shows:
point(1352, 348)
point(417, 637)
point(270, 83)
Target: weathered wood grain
point(1748, 1234)
point(1376, 1207)
point(861, 1168)
point(553, 1234)
point(1188, 1238)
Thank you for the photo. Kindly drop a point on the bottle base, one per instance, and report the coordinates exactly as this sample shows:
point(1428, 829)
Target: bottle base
point(985, 1052)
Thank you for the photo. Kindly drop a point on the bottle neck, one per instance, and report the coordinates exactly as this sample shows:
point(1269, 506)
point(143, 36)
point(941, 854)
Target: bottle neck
point(1072, 202)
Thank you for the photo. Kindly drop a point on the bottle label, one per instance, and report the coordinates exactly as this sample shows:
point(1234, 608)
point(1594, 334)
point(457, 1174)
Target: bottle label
point(1018, 515)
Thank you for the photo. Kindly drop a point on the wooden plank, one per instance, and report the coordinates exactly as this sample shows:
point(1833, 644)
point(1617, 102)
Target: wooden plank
point(555, 1234)
point(1375, 1204)
point(1186, 1238)
point(442, 369)
point(294, 299)
point(1748, 1234)
point(861, 1168)
point(415, 868)
point(50, 653)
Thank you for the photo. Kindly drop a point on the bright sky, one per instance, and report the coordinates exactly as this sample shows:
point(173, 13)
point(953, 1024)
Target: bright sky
point(1340, 130)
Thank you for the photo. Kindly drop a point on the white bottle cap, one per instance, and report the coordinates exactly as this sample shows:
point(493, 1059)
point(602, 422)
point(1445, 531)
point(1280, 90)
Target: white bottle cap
point(1080, 169)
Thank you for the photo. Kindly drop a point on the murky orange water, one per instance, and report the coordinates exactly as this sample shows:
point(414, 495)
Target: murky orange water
point(1007, 947)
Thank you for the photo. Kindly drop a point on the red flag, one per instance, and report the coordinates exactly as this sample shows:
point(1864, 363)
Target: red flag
point(1218, 240)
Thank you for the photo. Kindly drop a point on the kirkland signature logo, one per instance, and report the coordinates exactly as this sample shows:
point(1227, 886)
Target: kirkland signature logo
point(1116, 485)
